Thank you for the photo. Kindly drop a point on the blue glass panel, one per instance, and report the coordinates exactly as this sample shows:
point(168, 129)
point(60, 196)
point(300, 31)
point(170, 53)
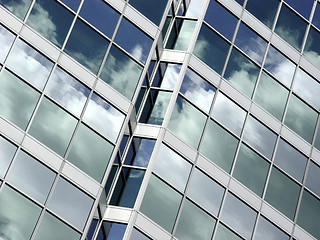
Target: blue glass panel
point(73, 4)
point(312, 47)
point(112, 231)
point(17, 7)
point(316, 16)
point(302, 6)
point(265, 11)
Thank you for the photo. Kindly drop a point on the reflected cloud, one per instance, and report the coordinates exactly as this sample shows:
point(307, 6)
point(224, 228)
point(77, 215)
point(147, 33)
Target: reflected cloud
point(160, 107)
point(6, 40)
point(18, 8)
point(170, 76)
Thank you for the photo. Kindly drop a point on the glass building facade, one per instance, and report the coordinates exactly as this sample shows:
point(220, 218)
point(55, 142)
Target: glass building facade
point(159, 119)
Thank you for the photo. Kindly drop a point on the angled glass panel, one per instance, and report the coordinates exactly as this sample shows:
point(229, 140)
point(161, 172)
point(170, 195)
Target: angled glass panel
point(52, 228)
point(170, 75)
point(309, 214)
point(279, 66)
point(160, 203)
point(7, 151)
point(301, 118)
point(194, 8)
point(282, 193)
point(265, 11)
point(251, 170)
point(103, 117)
point(17, 7)
point(312, 49)
point(100, 15)
point(290, 27)
point(90, 152)
point(241, 72)
point(73, 4)
point(18, 215)
point(251, 43)
point(53, 126)
point(194, 223)
point(17, 99)
point(111, 231)
point(185, 32)
point(259, 136)
point(316, 16)
point(267, 86)
point(197, 90)
point(238, 216)
point(290, 160)
point(223, 233)
point(51, 20)
point(198, 191)
point(86, 46)
point(121, 72)
point(313, 178)
point(139, 44)
point(221, 19)
point(219, 146)
point(303, 7)
point(29, 64)
point(267, 231)
point(6, 40)
point(66, 90)
point(137, 235)
point(185, 116)
point(31, 177)
point(172, 167)
point(211, 49)
point(70, 203)
point(317, 140)
point(228, 113)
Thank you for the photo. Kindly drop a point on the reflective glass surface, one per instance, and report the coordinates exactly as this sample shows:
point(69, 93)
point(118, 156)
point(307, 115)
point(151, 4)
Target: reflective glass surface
point(45, 128)
point(317, 141)
point(313, 178)
point(18, 215)
point(137, 235)
point(86, 46)
point(7, 150)
point(142, 150)
point(198, 191)
point(70, 203)
point(73, 4)
point(90, 152)
point(312, 49)
point(219, 146)
point(170, 75)
point(100, 15)
point(17, 7)
point(282, 193)
point(303, 7)
point(111, 231)
point(29, 64)
point(194, 8)
point(66, 90)
point(186, 27)
point(17, 99)
point(267, 231)
point(241, 72)
point(194, 223)
point(31, 177)
point(103, 117)
point(316, 16)
point(228, 113)
point(121, 72)
point(160, 203)
point(185, 116)
point(51, 20)
point(211, 48)
point(238, 215)
point(267, 86)
point(6, 40)
point(251, 169)
point(301, 118)
point(259, 137)
point(223, 233)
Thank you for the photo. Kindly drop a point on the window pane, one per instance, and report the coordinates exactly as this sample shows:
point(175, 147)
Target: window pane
point(312, 49)
point(70, 203)
point(219, 146)
point(111, 231)
point(18, 215)
point(251, 170)
point(45, 128)
point(141, 153)
point(51, 20)
point(52, 228)
point(194, 223)
point(316, 16)
point(6, 40)
point(7, 151)
point(29, 64)
point(161, 203)
point(282, 193)
point(185, 32)
point(267, 231)
point(121, 72)
point(87, 144)
point(313, 178)
point(303, 7)
point(185, 116)
point(18, 8)
point(223, 233)
point(198, 191)
point(73, 4)
point(31, 177)
point(136, 235)
point(17, 99)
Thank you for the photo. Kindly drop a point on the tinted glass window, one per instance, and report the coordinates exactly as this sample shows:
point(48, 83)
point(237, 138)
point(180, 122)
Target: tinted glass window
point(312, 49)
point(265, 11)
point(18, 8)
point(313, 178)
point(7, 151)
point(267, 231)
point(6, 40)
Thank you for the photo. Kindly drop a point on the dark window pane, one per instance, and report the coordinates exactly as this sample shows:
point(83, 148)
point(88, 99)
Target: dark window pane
point(312, 49)
point(17, 7)
point(111, 231)
point(137, 235)
point(73, 4)
point(265, 11)
point(316, 16)
point(303, 7)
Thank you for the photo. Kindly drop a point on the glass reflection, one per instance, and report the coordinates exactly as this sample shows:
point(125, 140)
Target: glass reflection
point(73, 4)
point(137, 235)
point(100, 15)
point(140, 152)
point(316, 16)
point(121, 72)
point(279, 66)
point(6, 40)
point(267, 231)
point(70, 203)
point(223, 233)
point(312, 49)
point(228, 113)
point(167, 75)
point(103, 117)
point(185, 116)
point(7, 151)
point(313, 178)
point(31, 177)
point(303, 7)
point(51, 20)
point(18, 8)
point(197, 90)
point(29, 64)
point(111, 231)
point(241, 72)
point(194, 8)
point(181, 38)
